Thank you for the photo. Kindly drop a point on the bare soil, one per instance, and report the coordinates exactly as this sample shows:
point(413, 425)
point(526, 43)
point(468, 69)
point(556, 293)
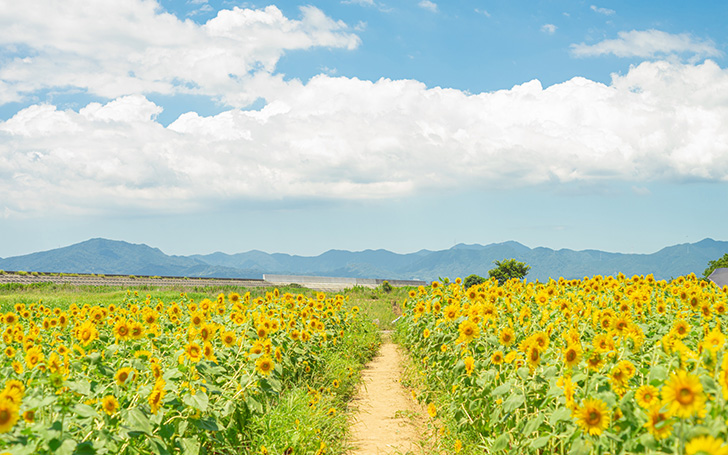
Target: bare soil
point(388, 420)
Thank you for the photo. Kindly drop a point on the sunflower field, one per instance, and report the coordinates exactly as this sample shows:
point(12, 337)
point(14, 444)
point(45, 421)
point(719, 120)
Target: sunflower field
point(607, 365)
point(227, 375)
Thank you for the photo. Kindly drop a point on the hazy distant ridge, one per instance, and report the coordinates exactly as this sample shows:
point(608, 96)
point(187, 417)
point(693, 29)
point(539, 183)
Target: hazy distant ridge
point(118, 257)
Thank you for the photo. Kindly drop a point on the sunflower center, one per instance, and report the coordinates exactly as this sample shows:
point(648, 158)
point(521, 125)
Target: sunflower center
point(571, 355)
point(594, 417)
point(685, 396)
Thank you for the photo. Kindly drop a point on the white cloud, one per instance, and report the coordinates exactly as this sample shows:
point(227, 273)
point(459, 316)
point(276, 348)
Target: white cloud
point(648, 44)
point(428, 5)
point(111, 48)
point(604, 11)
point(483, 12)
point(342, 138)
point(549, 28)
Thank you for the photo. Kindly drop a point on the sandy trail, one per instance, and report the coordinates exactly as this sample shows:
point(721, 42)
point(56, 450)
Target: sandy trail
point(387, 421)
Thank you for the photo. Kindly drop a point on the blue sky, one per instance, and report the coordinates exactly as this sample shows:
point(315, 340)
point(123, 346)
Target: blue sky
point(198, 126)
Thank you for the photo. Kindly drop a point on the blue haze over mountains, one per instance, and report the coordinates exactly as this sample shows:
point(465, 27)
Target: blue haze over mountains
point(118, 257)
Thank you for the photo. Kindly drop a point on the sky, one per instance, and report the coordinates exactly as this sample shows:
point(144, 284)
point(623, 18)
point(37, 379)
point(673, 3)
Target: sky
point(197, 126)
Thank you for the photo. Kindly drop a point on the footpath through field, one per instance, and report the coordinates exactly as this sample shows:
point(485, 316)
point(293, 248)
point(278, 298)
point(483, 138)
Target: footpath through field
point(387, 421)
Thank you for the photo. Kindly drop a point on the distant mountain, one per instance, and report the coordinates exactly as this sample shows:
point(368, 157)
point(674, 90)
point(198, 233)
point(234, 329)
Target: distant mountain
point(117, 257)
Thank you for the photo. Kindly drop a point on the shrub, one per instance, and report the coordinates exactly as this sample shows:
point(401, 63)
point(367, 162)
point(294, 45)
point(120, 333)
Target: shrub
point(473, 280)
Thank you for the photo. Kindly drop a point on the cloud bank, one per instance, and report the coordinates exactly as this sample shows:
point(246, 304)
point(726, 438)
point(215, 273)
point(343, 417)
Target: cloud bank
point(344, 138)
point(115, 48)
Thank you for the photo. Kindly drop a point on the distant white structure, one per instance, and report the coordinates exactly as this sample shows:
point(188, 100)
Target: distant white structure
point(329, 283)
point(719, 276)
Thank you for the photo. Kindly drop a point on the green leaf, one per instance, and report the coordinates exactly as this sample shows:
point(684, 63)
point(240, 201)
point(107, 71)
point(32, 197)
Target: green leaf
point(500, 443)
point(198, 401)
point(81, 386)
point(532, 425)
point(208, 424)
point(560, 414)
point(502, 389)
point(137, 421)
point(254, 405)
point(513, 402)
point(540, 442)
point(85, 448)
point(657, 373)
point(85, 410)
point(190, 446)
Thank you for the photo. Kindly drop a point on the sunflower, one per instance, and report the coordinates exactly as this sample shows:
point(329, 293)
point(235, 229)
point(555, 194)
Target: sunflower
point(8, 415)
point(592, 416)
point(432, 410)
point(533, 355)
point(157, 395)
point(468, 331)
point(683, 394)
point(109, 404)
point(707, 445)
point(451, 312)
point(121, 330)
point(10, 352)
point(595, 361)
point(496, 358)
point(264, 365)
point(228, 338)
point(209, 352)
point(506, 336)
point(426, 333)
point(469, 364)
point(194, 352)
point(572, 355)
point(87, 333)
point(29, 416)
point(647, 396)
point(681, 328)
point(124, 376)
point(658, 423)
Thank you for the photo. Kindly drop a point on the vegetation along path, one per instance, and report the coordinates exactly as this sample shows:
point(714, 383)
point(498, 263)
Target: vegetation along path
point(387, 421)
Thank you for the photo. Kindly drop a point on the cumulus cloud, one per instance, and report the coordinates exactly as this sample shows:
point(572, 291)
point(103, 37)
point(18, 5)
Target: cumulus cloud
point(111, 49)
point(648, 44)
point(549, 28)
point(428, 5)
point(345, 138)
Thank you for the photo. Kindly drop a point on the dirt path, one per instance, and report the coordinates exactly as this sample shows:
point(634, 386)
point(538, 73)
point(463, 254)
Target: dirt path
point(387, 421)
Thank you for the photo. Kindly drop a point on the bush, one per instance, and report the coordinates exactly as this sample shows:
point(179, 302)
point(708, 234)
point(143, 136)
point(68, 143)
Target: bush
point(386, 287)
point(473, 280)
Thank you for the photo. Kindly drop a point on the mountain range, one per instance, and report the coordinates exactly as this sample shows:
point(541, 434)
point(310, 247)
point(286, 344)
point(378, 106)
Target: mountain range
point(119, 257)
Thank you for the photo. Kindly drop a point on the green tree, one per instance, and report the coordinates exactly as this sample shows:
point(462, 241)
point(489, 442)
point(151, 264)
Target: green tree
point(712, 265)
point(473, 280)
point(508, 268)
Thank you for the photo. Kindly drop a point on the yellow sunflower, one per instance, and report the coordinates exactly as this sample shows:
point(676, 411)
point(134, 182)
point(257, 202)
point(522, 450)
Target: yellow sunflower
point(194, 352)
point(264, 365)
point(683, 394)
point(468, 331)
point(572, 355)
point(658, 423)
point(707, 445)
point(647, 396)
point(592, 416)
point(109, 404)
point(8, 415)
point(125, 375)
